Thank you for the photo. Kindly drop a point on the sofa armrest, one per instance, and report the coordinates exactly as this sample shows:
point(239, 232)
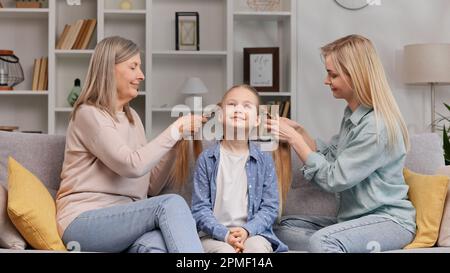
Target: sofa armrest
point(444, 170)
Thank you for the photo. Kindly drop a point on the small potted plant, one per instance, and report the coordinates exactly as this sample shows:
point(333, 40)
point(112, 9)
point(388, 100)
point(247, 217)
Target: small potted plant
point(445, 134)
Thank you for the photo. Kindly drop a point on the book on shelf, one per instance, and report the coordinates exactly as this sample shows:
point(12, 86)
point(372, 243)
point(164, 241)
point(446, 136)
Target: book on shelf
point(72, 35)
point(40, 75)
point(88, 34)
point(9, 128)
point(63, 37)
point(286, 106)
point(80, 35)
point(283, 107)
point(36, 69)
point(28, 5)
point(77, 35)
point(43, 74)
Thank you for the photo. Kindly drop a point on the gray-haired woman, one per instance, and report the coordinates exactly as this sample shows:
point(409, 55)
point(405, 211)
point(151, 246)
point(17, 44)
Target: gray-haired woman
point(109, 168)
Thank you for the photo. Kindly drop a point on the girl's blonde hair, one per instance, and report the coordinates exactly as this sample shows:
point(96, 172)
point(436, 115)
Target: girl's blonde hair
point(281, 157)
point(355, 56)
point(100, 88)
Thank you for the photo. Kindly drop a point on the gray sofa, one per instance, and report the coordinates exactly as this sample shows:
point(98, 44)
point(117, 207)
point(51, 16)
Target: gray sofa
point(43, 155)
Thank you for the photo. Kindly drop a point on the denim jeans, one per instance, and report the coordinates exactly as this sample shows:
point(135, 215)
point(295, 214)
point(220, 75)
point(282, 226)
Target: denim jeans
point(323, 234)
point(158, 224)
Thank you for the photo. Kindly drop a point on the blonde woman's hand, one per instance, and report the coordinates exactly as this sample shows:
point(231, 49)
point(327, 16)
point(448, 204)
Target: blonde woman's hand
point(292, 123)
point(281, 129)
point(188, 125)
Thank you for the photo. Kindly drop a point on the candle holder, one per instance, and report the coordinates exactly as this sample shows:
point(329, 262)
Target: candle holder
point(11, 73)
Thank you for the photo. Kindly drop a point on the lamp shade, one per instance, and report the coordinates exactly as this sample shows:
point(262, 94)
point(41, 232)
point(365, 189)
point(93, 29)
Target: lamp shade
point(193, 86)
point(427, 63)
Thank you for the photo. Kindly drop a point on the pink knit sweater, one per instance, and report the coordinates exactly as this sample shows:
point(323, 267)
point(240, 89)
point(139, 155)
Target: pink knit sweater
point(109, 163)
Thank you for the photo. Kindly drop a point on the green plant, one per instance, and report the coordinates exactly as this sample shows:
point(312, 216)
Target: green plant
point(445, 135)
point(446, 138)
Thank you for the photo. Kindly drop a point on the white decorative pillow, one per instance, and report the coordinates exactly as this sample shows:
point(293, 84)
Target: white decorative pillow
point(444, 233)
point(9, 236)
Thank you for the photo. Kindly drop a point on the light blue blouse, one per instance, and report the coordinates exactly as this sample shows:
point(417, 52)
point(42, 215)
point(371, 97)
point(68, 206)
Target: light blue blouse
point(364, 173)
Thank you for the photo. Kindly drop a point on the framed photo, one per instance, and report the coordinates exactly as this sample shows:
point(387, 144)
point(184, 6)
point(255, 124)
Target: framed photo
point(187, 32)
point(262, 68)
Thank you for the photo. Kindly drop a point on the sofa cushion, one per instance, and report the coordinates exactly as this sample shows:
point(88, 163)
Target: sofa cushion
point(422, 250)
point(32, 209)
point(427, 193)
point(444, 233)
point(426, 154)
point(9, 236)
point(42, 154)
point(305, 197)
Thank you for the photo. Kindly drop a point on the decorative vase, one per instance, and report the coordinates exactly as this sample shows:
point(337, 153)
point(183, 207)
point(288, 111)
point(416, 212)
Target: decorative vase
point(74, 93)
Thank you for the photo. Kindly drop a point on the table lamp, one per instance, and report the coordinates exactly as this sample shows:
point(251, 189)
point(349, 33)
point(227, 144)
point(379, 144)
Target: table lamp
point(193, 87)
point(428, 64)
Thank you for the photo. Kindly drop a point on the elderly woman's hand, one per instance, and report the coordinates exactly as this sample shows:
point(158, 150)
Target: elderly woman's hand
point(188, 125)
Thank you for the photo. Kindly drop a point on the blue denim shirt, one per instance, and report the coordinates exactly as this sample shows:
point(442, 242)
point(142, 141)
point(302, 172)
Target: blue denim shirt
point(364, 173)
point(263, 202)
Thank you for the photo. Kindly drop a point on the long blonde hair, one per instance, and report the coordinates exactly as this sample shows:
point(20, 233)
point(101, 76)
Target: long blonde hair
point(100, 88)
point(281, 157)
point(355, 56)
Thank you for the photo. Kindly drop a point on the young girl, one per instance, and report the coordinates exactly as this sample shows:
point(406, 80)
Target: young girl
point(362, 164)
point(235, 199)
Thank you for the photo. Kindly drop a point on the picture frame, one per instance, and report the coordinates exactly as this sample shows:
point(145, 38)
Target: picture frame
point(187, 31)
point(262, 68)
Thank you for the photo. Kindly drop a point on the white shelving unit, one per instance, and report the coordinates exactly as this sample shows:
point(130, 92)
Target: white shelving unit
point(226, 27)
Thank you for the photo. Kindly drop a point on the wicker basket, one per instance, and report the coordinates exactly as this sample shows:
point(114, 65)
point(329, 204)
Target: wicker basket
point(264, 5)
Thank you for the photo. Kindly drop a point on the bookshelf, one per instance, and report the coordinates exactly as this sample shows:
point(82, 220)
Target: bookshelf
point(226, 27)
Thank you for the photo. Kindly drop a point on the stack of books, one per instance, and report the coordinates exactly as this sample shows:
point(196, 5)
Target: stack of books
point(40, 74)
point(77, 35)
point(283, 107)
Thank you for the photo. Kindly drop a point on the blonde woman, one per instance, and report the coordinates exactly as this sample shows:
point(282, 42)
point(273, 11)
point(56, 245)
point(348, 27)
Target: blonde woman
point(362, 164)
point(109, 168)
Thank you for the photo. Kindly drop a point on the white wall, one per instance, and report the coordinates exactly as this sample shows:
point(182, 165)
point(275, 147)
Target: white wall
point(390, 26)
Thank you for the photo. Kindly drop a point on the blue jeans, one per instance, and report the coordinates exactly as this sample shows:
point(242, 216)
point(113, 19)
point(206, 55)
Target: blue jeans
point(323, 234)
point(158, 224)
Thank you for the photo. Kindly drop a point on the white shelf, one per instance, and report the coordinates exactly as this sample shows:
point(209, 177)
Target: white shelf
point(275, 94)
point(124, 14)
point(174, 53)
point(269, 16)
point(226, 27)
point(23, 93)
point(169, 109)
point(63, 109)
point(74, 52)
point(23, 13)
point(162, 110)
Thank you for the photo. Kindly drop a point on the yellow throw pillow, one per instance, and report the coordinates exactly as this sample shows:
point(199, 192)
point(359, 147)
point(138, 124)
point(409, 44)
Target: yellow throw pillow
point(427, 193)
point(32, 209)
